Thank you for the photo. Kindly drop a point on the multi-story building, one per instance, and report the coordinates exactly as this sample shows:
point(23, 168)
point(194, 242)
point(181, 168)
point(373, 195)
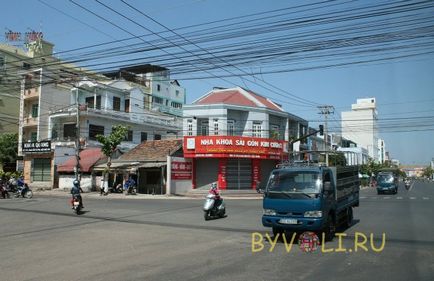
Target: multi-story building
point(236, 137)
point(103, 105)
point(381, 151)
point(12, 60)
point(360, 125)
point(162, 93)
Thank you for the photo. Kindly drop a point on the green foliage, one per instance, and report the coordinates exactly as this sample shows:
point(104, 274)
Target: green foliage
point(8, 148)
point(110, 142)
point(428, 172)
point(337, 159)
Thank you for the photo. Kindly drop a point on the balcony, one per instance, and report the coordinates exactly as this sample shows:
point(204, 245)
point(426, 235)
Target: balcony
point(31, 93)
point(30, 122)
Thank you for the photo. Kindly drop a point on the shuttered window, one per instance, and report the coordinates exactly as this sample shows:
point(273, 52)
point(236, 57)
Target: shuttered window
point(41, 169)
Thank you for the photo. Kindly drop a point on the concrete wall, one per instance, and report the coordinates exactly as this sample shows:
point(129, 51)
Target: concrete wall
point(66, 182)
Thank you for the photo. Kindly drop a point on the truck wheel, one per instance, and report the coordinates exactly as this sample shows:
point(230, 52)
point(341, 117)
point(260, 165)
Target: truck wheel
point(329, 228)
point(349, 217)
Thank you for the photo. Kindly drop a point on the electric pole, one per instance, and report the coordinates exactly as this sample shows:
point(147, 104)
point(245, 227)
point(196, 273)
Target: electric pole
point(326, 110)
point(77, 138)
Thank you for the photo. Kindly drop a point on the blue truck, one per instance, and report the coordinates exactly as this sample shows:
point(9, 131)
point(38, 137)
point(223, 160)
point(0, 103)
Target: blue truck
point(315, 198)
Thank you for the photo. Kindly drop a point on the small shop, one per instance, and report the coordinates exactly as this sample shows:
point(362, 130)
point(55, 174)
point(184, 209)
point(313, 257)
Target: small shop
point(236, 163)
point(38, 164)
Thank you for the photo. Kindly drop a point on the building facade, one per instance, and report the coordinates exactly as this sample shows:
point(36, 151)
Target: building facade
point(360, 125)
point(236, 137)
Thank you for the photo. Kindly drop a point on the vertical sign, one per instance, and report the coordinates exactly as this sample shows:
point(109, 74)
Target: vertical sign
point(256, 172)
point(222, 173)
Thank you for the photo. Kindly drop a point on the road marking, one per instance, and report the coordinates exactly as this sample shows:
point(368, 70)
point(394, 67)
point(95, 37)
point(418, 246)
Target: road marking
point(412, 198)
point(362, 197)
point(399, 198)
point(425, 198)
point(387, 197)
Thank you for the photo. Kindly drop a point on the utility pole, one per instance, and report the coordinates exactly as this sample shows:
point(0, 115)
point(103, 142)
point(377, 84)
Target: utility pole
point(326, 110)
point(77, 138)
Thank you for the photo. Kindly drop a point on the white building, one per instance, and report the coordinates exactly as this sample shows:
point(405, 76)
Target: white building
point(236, 137)
point(381, 151)
point(355, 155)
point(360, 125)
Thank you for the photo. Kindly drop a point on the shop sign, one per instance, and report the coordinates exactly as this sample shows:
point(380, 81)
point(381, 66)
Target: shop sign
point(181, 170)
point(37, 146)
point(247, 146)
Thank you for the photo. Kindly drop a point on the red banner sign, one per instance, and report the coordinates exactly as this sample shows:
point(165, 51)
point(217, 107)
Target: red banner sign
point(181, 170)
point(233, 147)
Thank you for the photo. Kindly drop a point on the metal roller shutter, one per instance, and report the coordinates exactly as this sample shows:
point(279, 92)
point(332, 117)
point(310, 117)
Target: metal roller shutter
point(239, 174)
point(41, 169)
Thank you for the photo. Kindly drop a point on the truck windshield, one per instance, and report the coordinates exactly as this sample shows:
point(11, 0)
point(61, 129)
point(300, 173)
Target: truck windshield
point(294, 182)
point(385, 178)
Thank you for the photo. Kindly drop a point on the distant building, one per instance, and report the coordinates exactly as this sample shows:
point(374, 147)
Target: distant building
point(360, 125)
point(381, 151)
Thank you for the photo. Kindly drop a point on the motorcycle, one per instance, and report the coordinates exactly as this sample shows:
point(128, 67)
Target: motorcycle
point(407, 185)
point(24, 192)
point(211, 210)
point(76, 205)
point(4, 191)
point(116, 189)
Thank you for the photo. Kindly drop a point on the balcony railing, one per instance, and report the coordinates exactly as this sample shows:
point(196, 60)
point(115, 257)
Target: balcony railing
point(29, 122)
point(31, 93)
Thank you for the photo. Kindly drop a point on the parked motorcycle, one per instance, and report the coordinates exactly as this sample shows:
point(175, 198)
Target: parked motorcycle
point(76, 205)
point(24, 192)
point(211, 210)
point(4, 191)
point(116, 189)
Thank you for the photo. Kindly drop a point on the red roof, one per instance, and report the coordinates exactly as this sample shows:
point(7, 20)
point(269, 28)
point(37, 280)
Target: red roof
point(238, 96)
point(88, 158)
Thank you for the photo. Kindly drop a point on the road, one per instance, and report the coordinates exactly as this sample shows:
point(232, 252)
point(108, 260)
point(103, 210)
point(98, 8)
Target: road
point(121, 239)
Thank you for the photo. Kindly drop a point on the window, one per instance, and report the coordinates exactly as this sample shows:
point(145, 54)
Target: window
point(167, 102)
point(177, 93)
point(95, 130)
point(28, 82)
point(41, 169)
point(257, 129)
point(129, 136)
point(2, 62)
point(176, 104)
point(157, 137)
point(216, 127)
point(90, 102)
point(143, 136)
point(204, 128)
point(189, 127)
point(127, 105)
point(33, 136)
point(116, 103)
point(26, 65)
point(231, 127)
point(69, 131)
point(35, 108)
point(158, 87)
point(158, 100)
point(275, 132)
point(98, 102)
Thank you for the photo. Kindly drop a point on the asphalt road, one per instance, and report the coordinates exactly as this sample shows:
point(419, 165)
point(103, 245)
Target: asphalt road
point(121, 239)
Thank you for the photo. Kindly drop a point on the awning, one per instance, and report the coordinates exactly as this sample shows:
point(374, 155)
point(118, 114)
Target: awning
point(116, 166)
point(152, 165)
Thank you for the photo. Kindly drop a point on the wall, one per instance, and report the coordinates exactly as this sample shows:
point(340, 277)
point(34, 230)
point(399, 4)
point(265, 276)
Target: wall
point(66, 182)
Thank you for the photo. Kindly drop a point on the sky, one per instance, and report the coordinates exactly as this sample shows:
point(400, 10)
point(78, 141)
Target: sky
point(403, 87)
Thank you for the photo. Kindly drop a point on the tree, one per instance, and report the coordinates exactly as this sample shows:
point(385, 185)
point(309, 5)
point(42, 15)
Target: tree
point(428, 172)
point(110, 143)
point(8, 148)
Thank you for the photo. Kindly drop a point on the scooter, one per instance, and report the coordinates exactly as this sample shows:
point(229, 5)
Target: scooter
point(211, 210)
point(24, 192)
point(407, 185)
point(76, 206)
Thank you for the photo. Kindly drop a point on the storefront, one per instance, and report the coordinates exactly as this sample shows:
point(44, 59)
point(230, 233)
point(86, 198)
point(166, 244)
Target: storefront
point(236, 163)
point(38, 162)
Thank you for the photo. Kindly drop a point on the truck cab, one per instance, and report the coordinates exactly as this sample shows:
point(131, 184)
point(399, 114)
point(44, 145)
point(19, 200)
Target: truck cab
point(310, 198)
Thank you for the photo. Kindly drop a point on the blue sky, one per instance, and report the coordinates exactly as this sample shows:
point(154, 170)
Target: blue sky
point(404, 88)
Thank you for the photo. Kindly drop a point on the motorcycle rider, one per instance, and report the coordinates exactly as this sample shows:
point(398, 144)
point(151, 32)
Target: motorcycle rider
point(216, 192)
point(22, 187)
point(75, 191)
